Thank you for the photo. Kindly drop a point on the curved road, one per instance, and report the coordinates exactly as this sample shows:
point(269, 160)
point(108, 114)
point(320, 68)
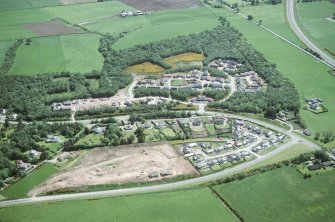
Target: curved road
point(294, 140)
point(290, 8)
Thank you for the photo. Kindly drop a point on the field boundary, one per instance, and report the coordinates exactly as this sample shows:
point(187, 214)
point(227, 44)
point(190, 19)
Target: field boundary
point(224, 202)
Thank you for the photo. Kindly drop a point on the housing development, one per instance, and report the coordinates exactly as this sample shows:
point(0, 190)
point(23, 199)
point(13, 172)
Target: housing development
point(167, 110)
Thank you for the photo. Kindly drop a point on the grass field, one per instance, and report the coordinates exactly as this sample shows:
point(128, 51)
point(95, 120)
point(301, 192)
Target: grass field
point(313, 20)
point(273, 17)
point(15, 32)
point(118, 24)
point(88, 12)
point(167, 31)
point(183, 205)
point(311, 78)
point(282, 195)
point(14, 5)
point(23, 17)
point(75, 53)
point(90, 140)
point(21, 187)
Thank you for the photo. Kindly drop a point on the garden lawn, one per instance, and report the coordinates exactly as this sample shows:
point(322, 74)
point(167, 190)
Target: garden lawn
point(282, 195)
point(310, 77)
point(312, 18)
point(166, 31)
point(90, 140)
point(182, 205)
point(88, 12)
point(24, 185)
point(74, 53)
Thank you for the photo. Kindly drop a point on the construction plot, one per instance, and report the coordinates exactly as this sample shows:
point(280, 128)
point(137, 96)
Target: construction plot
point(118, 165)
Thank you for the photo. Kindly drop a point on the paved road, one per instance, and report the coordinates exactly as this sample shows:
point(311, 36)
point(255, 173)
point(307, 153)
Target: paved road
point(295, 139)
point(290, 8)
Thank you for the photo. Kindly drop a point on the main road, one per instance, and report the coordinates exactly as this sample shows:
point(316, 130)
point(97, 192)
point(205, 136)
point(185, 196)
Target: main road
point(290, 8)
point(295, 139)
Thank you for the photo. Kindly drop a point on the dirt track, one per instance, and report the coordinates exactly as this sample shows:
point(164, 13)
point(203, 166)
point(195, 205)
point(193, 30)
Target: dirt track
point(119, 165)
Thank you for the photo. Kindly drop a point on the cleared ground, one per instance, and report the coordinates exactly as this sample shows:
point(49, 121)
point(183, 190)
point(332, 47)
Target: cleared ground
point(282, 195)
point(52, 28)
point(155, 5)
point(74, 53)
point(314, 18)
point(120, 165)
point(196, 205)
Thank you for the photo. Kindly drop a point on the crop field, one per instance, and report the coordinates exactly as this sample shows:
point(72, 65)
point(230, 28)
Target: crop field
point(118, 24)
point(311, 78)
point(282, 195)
point(23, 17)
point(197, 204)
point(88, 12)
point(59, 53)
point(145, 67)
point(155, 5)
point(167, 31)
point(180, 15)
point(21, 188)
point(12, 23)
point(7, 5)
point(313, 19)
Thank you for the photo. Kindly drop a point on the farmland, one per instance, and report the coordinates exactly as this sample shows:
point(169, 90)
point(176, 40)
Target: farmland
point(274, 191)
point(287, 59)
point(315, 20)
point(88, 12)
point(167, 31)
point(58, 53)
point(198, 204)
point(21, 188)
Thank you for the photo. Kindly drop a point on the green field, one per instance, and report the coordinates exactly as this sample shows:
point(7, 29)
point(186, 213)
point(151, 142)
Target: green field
point(21, 187)
point(118, 24)
point(184, 205)
point(14, 5)
point(282, 195)
point(74, 53)
point(310, 77)
point(88, 12)
point(313, 20)
point(273, 17)
point(23, 17)
point(166, 31)
point(90, 140)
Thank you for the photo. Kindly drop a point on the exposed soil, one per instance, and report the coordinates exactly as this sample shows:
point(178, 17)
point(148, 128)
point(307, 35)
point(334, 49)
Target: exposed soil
point(118, 165)
point(54, 27)
point(155, 5)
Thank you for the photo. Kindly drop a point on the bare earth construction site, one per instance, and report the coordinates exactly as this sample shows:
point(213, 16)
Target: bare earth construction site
point(120, 165)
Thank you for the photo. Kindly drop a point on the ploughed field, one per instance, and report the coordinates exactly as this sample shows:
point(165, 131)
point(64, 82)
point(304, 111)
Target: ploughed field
point(119, 165)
